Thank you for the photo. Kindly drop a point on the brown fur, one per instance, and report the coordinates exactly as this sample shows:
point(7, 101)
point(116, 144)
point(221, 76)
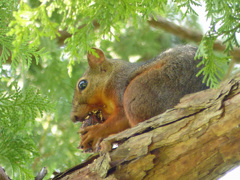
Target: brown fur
point(129, 93)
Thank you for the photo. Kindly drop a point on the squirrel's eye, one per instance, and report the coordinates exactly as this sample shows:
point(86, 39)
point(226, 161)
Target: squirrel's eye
point(82, 84)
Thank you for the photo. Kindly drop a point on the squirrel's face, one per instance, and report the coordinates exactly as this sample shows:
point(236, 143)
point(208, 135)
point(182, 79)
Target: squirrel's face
point(89, 92)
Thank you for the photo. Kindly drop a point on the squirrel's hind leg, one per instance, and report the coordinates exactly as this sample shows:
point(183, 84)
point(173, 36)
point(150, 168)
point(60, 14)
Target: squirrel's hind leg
point(145, 97)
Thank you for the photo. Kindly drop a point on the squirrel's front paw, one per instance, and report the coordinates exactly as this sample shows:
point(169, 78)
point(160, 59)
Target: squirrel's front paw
point(91, 137)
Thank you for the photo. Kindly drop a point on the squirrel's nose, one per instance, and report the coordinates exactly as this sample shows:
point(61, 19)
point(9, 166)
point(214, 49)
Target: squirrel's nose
point(74, 118)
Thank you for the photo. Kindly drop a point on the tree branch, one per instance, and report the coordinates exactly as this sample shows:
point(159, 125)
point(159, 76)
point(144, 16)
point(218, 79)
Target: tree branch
point(180, 31)
point(185, 33)
point(3, 175)
point(64, 34)
point(198, 139)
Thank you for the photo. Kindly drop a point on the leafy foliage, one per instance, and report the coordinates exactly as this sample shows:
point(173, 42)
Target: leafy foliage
point(40, 21)
point(189, 5)
point(224, 16)
point(18, 110)
point(82, 18)
point(213, 63)
point(22, 50)
point(6, 11)
point(224, 21)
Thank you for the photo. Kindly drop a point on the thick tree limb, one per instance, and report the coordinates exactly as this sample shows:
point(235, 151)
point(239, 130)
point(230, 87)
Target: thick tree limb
point(198, 139)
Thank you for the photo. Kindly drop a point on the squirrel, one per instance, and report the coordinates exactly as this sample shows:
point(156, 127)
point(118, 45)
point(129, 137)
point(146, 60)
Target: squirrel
point(129, 93)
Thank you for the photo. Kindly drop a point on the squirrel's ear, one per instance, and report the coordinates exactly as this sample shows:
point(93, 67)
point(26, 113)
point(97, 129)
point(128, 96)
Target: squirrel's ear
point(95, 57)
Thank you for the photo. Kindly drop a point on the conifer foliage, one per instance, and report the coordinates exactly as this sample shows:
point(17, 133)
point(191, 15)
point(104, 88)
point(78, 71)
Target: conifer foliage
point(18, 111)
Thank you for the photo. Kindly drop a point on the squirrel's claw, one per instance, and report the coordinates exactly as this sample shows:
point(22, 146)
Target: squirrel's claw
point(83, 131)
point(90, 138)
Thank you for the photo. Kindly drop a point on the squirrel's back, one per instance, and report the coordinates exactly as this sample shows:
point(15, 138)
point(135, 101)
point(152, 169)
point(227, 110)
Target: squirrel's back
point(160, 83)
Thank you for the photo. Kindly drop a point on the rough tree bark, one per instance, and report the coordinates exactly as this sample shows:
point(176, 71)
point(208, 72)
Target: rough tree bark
point(197, 139)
